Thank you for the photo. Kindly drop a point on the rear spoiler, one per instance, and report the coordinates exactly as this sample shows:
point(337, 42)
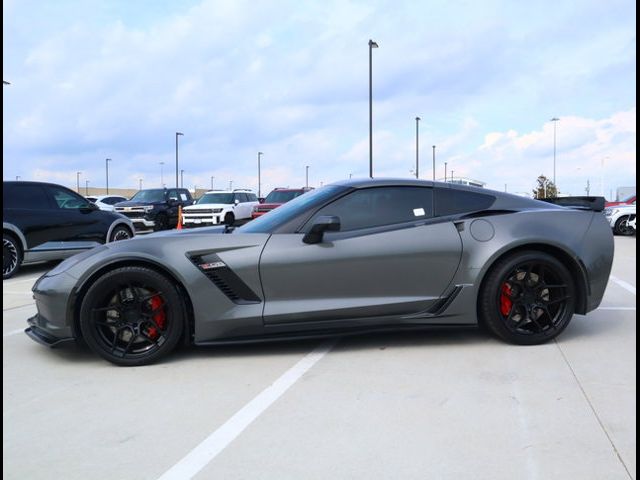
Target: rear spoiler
point(580, 203)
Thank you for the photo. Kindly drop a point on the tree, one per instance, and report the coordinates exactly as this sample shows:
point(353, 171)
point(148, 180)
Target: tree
point(545, 188)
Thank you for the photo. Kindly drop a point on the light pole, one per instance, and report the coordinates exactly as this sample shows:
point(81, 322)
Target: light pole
point(602, 176)
point(452, 176)
point(161, 174)
point(417, 148)
point(177, 135)
point(78, 181)
point(17, 177)
point(106, 163)
point(212, 179)
point(434, 163)
point(588, 189)
point(350, 175)
point(505, 188)
point(86, 188)
point(259, 191)
point(445, 172)
point(307, 176)
point(230, 184)
point(139, 184)
point(555, 121)
point(372, 45)
point(181, 179)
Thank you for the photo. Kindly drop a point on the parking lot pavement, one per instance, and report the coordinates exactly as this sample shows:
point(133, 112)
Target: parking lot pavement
point(434, 404)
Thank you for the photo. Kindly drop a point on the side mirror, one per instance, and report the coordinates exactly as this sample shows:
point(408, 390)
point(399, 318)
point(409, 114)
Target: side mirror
point(236, 201)
point(261, 200)
point(324, 223)
point(89, 207)
point(173, 201)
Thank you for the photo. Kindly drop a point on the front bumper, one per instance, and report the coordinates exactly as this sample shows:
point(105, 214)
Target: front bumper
point(200, 221)
point(53, 324)
point(142, 223)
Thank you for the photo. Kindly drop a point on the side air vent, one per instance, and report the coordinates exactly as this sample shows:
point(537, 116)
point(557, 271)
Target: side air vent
point(225, 279)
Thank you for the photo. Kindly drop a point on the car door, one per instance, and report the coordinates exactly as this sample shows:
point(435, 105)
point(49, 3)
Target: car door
point(390, 258)
point(73, 220)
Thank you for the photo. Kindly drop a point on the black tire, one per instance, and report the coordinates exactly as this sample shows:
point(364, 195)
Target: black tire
point(132, 316)
point(120, 233)
point(229, 219)
point(11, 255)
point(527, 298)
point(622, 226)
point(162, 223)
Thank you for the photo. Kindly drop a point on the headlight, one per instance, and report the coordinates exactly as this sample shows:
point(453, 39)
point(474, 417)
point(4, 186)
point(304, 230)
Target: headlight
point(217, 210)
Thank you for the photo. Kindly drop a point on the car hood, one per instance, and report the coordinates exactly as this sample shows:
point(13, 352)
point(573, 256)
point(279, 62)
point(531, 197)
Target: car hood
point(130, 203)
point(208, 205)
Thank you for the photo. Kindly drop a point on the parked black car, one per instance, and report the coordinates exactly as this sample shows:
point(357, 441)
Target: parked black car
point(156, 208)
point(44, 221)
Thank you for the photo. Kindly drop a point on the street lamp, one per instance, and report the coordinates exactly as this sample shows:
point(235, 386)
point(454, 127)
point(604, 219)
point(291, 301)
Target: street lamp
point(181, 178)
point(78, 181)
point(231, 185)
point(434, 163)
point(139, 184)
point(417, 148)
point(350, 175)
point(307, 176)
point(106, 164)
point(555, 121)
point(212, 179)
point(86, 188)
point(259, 155)
point(452, 176)
point(445, 172)
point(177, 135)
point(17, 177)
point(161, 174)
point(372, 45)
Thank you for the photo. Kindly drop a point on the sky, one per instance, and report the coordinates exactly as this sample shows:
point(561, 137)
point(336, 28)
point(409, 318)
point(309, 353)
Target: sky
point(93, 79)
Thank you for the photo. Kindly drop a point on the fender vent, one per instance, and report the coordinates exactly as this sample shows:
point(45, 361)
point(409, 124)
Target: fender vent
point(225, 279)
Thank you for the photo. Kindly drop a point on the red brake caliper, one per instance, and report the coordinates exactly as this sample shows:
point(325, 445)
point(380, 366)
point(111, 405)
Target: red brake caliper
point(505, 299)
point(159, 317)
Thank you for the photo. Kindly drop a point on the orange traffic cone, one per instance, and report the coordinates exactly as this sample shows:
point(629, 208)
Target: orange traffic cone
point(179, 226)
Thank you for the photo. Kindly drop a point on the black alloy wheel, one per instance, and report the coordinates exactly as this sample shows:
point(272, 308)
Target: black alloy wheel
point(11, 256)
point(120, 233)
point(528, 298)
point(132, 316)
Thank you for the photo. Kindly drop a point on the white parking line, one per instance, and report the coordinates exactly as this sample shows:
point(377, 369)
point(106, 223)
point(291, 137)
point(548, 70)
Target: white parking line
point(13, 332)
point(617, 308)
point(215, 443)
point(623, 284)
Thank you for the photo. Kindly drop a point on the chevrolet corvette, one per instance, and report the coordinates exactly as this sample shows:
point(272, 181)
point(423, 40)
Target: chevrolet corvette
point(352, 257)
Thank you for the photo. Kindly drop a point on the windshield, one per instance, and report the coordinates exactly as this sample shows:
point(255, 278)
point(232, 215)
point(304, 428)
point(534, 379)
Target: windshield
point(275, 218)
point(149, 196)
point(282, 196)
point(216, 198)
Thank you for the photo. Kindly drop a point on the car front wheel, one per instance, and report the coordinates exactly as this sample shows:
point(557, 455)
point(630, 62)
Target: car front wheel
point(527, 298)
point(132, 316)
point(120, 233)
point(11, 256)
point(622, 226)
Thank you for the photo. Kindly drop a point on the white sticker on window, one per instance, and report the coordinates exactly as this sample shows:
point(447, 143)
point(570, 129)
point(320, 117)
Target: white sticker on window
point(183, 197)
point(418, 212)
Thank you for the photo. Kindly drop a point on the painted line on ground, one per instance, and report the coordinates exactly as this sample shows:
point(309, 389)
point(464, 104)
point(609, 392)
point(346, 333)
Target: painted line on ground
point(17, 293)
point(13, 332)
point(623, 284)
point(215, 443)
point(22, 280)
point(32, 304)
point(617, 308)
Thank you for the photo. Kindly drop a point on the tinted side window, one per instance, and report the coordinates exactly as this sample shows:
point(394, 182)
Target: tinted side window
point(173, 193)
point(252, 197)
point(243, 197)
point(451, 202)
point(373, 207)
point(111, 200)
point(30, 197)
point(66, 199)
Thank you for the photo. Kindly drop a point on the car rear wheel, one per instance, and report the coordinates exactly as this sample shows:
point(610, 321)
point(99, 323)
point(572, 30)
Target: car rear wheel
point(622, 226)
point(120, 233)
point(132, 316)
point(229, 219)
point(11, 256)
point(528, 298)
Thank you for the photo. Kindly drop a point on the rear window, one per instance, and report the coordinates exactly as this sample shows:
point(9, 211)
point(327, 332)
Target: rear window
point(453, 202)
point(31, 197)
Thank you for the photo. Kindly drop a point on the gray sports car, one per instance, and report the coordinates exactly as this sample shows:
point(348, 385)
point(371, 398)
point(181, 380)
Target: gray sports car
point(351, 257)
